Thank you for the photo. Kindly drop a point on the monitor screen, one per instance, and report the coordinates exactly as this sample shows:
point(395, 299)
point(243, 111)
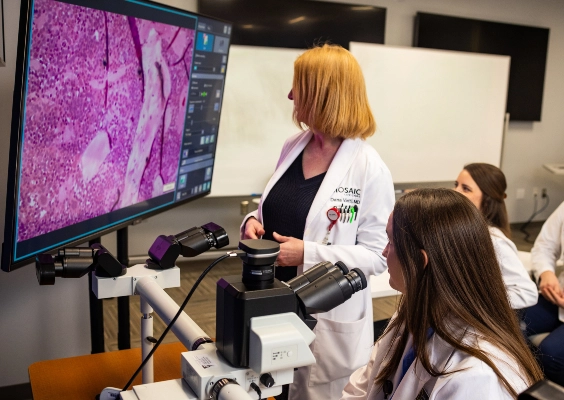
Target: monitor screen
point(298, 23)
point(116, 113)
point(527, 46)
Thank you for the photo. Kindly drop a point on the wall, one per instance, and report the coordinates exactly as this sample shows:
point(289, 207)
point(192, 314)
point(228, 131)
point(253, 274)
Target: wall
point(34, 322)
point(528, 145)
point(38, 322)
point(49, 322)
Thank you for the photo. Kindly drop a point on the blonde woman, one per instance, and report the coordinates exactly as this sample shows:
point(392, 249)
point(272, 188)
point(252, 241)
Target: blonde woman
point(329, 199)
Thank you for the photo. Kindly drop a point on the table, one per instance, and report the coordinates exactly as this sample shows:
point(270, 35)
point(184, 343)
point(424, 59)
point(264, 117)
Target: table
point(380, 286)
point(84, 377)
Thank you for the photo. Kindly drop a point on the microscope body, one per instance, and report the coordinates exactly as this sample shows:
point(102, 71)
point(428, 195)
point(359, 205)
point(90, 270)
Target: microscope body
point(264, 326)
point(237, 303)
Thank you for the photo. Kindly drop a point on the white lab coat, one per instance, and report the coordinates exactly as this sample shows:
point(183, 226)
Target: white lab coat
point(548, 248)
point(521, 289)
point(344, 335)
point(476, 381)
point(549, 243)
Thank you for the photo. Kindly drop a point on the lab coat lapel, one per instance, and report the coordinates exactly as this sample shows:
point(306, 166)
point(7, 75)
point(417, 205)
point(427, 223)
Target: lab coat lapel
point(293, 153)
point(416, 376)
point(386, 346)
point(335, 174)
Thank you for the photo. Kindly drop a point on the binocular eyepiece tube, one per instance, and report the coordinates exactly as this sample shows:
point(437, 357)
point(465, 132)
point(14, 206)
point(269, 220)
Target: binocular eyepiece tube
point(315, 272)
point(330, 290)
point(321, 288)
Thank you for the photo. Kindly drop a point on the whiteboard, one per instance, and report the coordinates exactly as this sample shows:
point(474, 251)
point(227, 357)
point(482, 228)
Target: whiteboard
point(435, 110)
point(256, 118)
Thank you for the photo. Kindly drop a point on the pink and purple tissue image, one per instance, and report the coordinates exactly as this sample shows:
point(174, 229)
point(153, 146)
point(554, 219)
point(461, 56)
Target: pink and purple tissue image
point(104, 114)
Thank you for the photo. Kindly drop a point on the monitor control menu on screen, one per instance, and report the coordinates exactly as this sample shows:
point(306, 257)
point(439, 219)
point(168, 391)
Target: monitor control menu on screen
point(118, 117)
point(204, 105)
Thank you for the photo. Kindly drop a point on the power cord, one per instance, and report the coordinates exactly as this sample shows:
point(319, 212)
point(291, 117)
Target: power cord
point(169, 326)
point(256, 388)
point(535, 213)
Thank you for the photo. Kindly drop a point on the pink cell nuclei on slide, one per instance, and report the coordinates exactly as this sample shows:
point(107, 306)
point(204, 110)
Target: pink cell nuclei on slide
point(87, 89)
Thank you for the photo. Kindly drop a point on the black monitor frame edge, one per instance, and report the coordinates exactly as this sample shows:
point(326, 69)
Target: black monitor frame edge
point(7, 264)
point(480, 20)
point(13, 164)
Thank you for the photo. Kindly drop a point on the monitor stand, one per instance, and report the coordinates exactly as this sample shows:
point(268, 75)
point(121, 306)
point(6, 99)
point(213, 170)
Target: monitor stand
point(97, 309)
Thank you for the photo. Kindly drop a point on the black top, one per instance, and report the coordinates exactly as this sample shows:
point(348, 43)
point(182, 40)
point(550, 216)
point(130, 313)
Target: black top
point(285, 209)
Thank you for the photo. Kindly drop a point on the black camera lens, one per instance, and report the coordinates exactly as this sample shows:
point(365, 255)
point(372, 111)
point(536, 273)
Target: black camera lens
point(47, 267)
point(258, 262)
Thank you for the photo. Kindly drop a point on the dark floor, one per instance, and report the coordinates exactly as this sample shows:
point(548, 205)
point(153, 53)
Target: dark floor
point(524, 238)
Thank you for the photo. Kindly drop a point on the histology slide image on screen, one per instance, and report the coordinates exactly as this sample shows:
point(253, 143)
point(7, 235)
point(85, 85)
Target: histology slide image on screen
point(104, 114)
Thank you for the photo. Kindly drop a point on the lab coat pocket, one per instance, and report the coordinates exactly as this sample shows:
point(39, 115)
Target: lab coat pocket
point(340, 348)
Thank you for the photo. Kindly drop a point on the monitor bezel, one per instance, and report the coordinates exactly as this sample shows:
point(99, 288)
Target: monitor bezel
point(7, 261)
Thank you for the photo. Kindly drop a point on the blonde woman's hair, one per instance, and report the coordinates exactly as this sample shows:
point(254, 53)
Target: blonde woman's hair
point(330, 94)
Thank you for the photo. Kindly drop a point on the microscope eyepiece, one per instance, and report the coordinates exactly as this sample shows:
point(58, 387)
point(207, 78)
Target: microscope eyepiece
point(331, 290)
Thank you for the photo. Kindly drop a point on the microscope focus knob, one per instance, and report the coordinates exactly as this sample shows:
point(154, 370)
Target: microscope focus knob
point(267, 380)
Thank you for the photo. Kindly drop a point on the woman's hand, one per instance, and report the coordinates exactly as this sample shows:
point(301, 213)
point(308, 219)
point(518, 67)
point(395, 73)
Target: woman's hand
point(558, 297)
point(550, 288)
point(253, 229)
point(291, 250)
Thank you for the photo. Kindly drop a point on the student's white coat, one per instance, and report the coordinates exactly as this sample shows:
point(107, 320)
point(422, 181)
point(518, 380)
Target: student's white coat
point(474, 379)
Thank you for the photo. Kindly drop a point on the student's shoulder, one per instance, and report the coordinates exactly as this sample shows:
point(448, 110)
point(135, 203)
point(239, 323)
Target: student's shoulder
point(497, 235)
point(475, 376)
point(500, 240)
point(559, 212)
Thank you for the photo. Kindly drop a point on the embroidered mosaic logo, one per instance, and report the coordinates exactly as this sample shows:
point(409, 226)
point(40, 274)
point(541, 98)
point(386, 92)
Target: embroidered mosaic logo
point(345, 194)
point(348, 191)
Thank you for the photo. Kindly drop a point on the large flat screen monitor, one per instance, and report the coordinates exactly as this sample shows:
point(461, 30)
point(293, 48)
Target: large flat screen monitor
point(298, 23)
point(115, 118)
point(527, 46)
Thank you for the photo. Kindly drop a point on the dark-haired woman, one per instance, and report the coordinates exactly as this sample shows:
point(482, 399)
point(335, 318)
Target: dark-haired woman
point(454, 335)
point(484, 185)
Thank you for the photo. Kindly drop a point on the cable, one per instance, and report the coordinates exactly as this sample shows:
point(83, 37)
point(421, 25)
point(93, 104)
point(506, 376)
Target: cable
point(256, 389)
point(535, 213)
point(167, 329)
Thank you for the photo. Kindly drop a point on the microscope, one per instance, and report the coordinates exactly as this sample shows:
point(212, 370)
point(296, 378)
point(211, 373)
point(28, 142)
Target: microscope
point(263, 327)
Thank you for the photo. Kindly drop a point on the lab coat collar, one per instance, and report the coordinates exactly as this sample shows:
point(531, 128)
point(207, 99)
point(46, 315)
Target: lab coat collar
point(335, 175)
point(416, 377)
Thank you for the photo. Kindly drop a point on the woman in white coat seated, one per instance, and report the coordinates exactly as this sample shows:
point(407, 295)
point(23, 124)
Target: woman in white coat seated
point(485, 185)
point(328, 200)
point(547, 316)
point(454, 335)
